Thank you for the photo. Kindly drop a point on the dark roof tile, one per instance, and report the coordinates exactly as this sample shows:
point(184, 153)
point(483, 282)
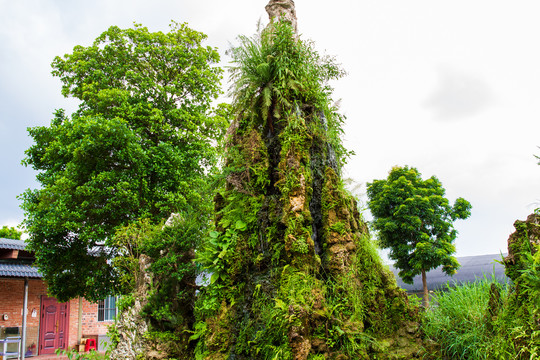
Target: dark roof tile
point(19, 270)
point(12, 244)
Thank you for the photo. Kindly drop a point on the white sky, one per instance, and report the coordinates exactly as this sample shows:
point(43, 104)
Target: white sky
point(449, 87)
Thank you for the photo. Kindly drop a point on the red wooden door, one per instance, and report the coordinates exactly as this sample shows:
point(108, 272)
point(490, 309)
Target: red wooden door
point(54, 325)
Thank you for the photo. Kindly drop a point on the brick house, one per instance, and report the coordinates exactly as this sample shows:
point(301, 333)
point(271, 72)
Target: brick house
point(47, 325)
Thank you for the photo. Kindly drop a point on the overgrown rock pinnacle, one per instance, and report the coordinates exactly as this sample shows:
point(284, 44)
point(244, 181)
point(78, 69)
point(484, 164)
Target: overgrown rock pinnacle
point(282, 10)
point(295, 275)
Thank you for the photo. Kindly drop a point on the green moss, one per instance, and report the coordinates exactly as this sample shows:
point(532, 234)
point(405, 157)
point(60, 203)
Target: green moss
point(297, 276)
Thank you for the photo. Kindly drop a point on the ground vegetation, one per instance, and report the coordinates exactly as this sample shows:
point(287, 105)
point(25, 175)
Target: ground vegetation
point(492, 320)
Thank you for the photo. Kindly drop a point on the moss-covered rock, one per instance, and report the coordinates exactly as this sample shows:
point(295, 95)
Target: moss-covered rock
point(294, 272)
point(521, 243)
point(520, 319)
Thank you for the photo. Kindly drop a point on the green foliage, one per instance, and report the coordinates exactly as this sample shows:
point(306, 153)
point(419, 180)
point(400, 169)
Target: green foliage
point(139, 147)
point(275, 67)
point(74, 355)
point(530, 279)
point(383, 303)
point(113, 334)
point(276, 74)
point(485, 320)
point(519, 321)
point(521, 248)
point(415, 221)
point(172, 344)
point(458, 321)
point(129, 241)
point(170, 301)
point(265, 337)
point(10, 233)
point(280, 287)
point(164, 255)
point(224, 253)
point(163, 79)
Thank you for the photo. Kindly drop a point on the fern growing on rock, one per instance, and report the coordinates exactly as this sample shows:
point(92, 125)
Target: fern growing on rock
point(294, 273)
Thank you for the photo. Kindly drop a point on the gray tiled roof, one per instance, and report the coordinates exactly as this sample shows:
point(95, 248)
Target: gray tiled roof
point(18, 270)
point(472, 268)
point(12, 244)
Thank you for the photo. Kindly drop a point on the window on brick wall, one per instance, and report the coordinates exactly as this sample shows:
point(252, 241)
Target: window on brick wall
point(107, 309)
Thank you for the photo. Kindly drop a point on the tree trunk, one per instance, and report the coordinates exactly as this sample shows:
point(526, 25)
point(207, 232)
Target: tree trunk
point(426, 292)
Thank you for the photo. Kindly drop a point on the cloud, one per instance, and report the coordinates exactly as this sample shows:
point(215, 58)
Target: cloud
point(458, 95)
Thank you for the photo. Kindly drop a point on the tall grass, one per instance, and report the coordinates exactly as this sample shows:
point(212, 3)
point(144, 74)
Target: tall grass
point(457, 319)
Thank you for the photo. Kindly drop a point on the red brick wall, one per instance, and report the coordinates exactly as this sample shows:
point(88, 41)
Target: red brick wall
point(11, 303)
point(90, 323)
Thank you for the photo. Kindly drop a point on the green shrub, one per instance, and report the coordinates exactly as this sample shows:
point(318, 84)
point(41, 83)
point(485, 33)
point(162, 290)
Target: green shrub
point(74, 355)
point(487, 320)
point(457, 321)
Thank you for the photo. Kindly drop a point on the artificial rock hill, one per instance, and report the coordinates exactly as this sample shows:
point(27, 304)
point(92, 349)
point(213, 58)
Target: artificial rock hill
point(294, 272)
point(298, 277)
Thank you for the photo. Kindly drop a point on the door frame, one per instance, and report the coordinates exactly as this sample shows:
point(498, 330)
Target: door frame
point(51, 301)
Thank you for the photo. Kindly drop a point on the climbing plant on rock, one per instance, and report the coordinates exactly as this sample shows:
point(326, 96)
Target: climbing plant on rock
point(518, 326)
point(293, 273)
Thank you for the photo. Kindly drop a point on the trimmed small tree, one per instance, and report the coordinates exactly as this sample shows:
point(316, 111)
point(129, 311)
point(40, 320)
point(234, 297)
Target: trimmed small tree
point(415, 221)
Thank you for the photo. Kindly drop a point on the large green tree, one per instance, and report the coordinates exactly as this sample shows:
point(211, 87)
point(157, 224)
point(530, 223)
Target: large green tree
point(138, 147)
point(415, 221)
point(10, 233)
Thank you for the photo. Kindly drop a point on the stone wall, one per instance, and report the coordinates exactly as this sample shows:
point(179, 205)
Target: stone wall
point(130, 325)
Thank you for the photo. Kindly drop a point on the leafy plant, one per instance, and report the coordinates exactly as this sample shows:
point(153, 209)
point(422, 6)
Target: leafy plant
point(415, 221)
point(484, 320)
point(458, 322)
point(530, 278)
point(217, 247)
point(276, 73)
point(74, 355)
point(10, 233)
point(139, 147)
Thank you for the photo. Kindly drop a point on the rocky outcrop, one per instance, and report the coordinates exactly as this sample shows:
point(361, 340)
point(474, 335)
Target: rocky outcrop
point(130, 325)
point(295, 274)
point(131, 329)
point(282, 10)
point(523, 241)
